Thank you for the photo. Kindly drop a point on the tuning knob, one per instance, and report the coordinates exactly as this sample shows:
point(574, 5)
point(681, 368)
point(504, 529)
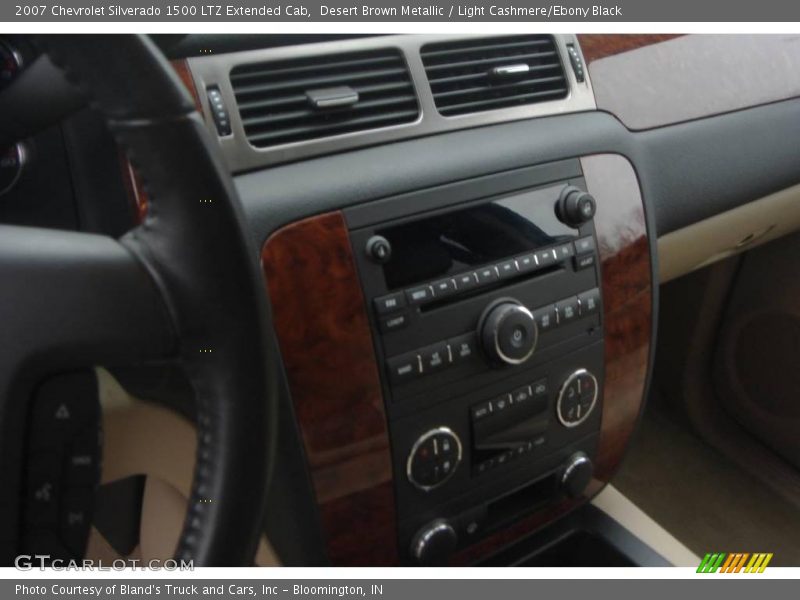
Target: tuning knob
point(577, 474)
point(574, 207)
point(434, 543)
point(508, 332)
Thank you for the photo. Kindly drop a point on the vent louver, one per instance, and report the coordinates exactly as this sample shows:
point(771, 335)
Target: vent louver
point(481, 74)
point(308, 98)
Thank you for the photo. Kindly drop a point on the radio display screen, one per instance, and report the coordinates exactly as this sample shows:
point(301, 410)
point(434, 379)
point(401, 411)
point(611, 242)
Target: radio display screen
point(454, 242)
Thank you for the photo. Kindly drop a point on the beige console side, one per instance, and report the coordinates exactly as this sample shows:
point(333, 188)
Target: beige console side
point(612, 502)
point(728, 233)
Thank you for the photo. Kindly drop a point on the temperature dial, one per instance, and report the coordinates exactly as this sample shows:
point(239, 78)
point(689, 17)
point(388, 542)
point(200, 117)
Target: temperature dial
point(577, 398)
point(434, 458)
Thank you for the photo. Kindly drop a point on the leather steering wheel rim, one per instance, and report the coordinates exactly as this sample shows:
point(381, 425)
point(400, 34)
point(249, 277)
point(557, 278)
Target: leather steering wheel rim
point(185, 283)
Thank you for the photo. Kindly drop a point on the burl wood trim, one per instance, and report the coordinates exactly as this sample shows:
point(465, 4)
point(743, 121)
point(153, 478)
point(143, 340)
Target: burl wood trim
point(130, 178)
point(599, 46)
point(627, 302)
point(326, 344)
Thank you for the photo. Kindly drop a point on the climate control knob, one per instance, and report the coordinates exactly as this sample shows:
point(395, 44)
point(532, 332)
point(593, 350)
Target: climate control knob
point(508, 332)
point(577, 398)
point(576, 475)
point(433, 544)
point(433, 458)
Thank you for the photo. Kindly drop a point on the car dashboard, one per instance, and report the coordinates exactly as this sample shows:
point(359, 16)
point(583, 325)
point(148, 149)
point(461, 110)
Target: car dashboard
point(462, 240)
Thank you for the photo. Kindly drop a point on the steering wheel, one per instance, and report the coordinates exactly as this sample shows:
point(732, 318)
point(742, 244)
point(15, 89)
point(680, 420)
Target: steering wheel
point(184, 284)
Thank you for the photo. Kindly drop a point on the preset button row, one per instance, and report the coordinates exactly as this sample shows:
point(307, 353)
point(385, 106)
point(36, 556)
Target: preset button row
point(488, 274)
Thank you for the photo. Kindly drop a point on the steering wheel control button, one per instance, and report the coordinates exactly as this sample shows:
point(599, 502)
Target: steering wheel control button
point(219, 112)
point(379, 249)
point(64, 444)
point(76, 516)
point(82, 463)
point(577, 398)
point(508, 333)
point(43, 490)
point(433, 459)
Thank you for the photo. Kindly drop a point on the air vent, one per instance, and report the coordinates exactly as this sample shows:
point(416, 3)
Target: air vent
point(308, 98)
point(480, 74)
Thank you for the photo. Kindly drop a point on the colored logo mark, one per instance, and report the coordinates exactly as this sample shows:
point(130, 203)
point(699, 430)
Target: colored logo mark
point(737, 562)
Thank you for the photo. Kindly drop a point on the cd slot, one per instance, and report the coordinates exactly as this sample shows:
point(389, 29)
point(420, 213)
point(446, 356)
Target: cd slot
point(500, 283)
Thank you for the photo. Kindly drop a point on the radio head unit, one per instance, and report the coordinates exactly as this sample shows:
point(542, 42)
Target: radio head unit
point(487, 323)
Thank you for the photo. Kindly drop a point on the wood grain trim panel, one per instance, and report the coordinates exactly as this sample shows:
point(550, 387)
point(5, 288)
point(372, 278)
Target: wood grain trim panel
point(627, 302)
point(324, 336)
point(326, 344)
point(596, 46)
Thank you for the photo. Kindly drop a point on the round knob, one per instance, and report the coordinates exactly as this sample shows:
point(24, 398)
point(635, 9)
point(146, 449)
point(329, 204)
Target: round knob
point(433, 458)
point(508, 332)
point(576, 398)
point(433, 544)
point(577, 474)
point(379, 249)
point(574, 207)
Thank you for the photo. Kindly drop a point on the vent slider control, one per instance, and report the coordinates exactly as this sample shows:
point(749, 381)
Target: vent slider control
point(332, 97)
point(506, 72)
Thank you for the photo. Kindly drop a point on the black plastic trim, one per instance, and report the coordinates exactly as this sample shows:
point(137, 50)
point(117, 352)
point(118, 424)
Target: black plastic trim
point(688, 172)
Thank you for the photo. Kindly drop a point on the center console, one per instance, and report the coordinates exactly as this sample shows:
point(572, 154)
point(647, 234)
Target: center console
point(466, 362)
point(487, 321)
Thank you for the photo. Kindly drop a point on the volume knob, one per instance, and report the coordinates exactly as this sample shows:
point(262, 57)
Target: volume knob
point(508, 332)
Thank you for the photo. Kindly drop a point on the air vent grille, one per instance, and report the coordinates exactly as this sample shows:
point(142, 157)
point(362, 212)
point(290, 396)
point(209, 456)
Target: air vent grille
point(481, 74)
point(308, 98)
